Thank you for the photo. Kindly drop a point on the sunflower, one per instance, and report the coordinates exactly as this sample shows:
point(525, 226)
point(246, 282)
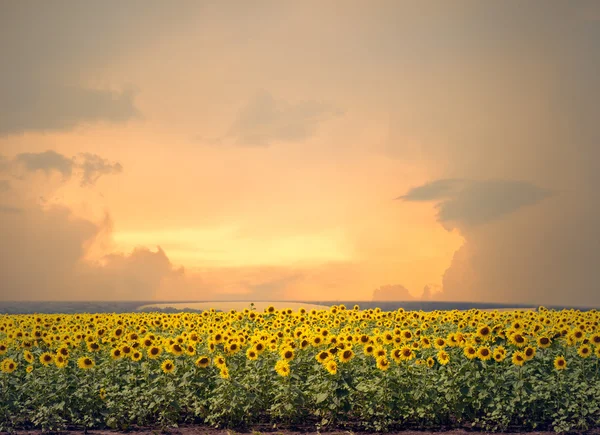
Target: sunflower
point(317, 340)
point(126, 350)
point(369, 349)
point(484, 353)
point(304, 343)
point(136, 355)
point(168, 366)
point(443, 357)
point(499, 355)
point(176, 349)
point(116, 353)
point(287, 354)
point(379, 352)
point(484, 332)
point(251, 354)
point(560, 363)
point(529, 353)
point(154, 352)
point(396, 355)
point(331, 366)
point(282, 367)
point(517, 326)
point(190, 350)
point(102, 394)
point(203, 362)
point(439, 343)
point(518, 339)
point(578, 335)
point(60, 361)
point(29, 369)
point(93, 346)
point(9, 365)
point(406, 353)
point(346, 355)
point(470, 352)
point(383, 363)
point(220, 361)
point(425, 342)
point(28, 356)
point(85, 363)
point(544, 342)
point(430, 362)
point(224, 372)
point(584, 351)
point(323, 357)
point(46, 358)
point(595, 339)
point(518, 358)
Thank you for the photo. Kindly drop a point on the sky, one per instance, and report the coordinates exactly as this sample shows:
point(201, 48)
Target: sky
point(316, 150)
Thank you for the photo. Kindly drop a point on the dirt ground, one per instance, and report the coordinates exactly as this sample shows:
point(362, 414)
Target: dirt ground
point(203, 430)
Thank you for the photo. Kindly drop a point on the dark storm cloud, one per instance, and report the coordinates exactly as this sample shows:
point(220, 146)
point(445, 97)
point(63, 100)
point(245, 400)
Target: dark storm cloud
point(468, 203)
point(46, 161)
point(265, 119)
point(518, 99)
point(4, 185)
point(94, 166)
point(53, 107)
point(89, 166)
point(50, 49)
point(434, 190)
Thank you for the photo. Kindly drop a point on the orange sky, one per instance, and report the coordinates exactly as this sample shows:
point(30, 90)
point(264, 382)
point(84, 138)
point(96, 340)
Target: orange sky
point(264, 147)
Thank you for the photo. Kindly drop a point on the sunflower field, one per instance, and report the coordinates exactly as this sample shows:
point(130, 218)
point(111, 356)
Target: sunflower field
point(341, 367)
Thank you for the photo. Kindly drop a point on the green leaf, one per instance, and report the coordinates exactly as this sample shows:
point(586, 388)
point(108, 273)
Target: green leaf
point(321, 397)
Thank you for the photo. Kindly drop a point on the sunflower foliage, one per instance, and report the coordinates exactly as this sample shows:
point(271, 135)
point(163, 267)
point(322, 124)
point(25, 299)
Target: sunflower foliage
point(343, 368)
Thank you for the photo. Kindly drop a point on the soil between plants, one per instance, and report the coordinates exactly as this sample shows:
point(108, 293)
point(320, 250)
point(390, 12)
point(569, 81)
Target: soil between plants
point(205, 430)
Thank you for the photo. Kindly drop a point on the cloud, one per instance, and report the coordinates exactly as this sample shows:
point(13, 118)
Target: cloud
point(94, 167)
point(89, 166)
point(392, 293)
point(431, 292)
point(46, 161)
point(434, 190)
point(4, 164)
point(52, 54)
point(43, 257)
point(520, 103)
point(54, 107)
point(4, 185)
point(49, 253)
point(135, 276)
point(469, 203)
point(9, 209)
point(265, 119)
